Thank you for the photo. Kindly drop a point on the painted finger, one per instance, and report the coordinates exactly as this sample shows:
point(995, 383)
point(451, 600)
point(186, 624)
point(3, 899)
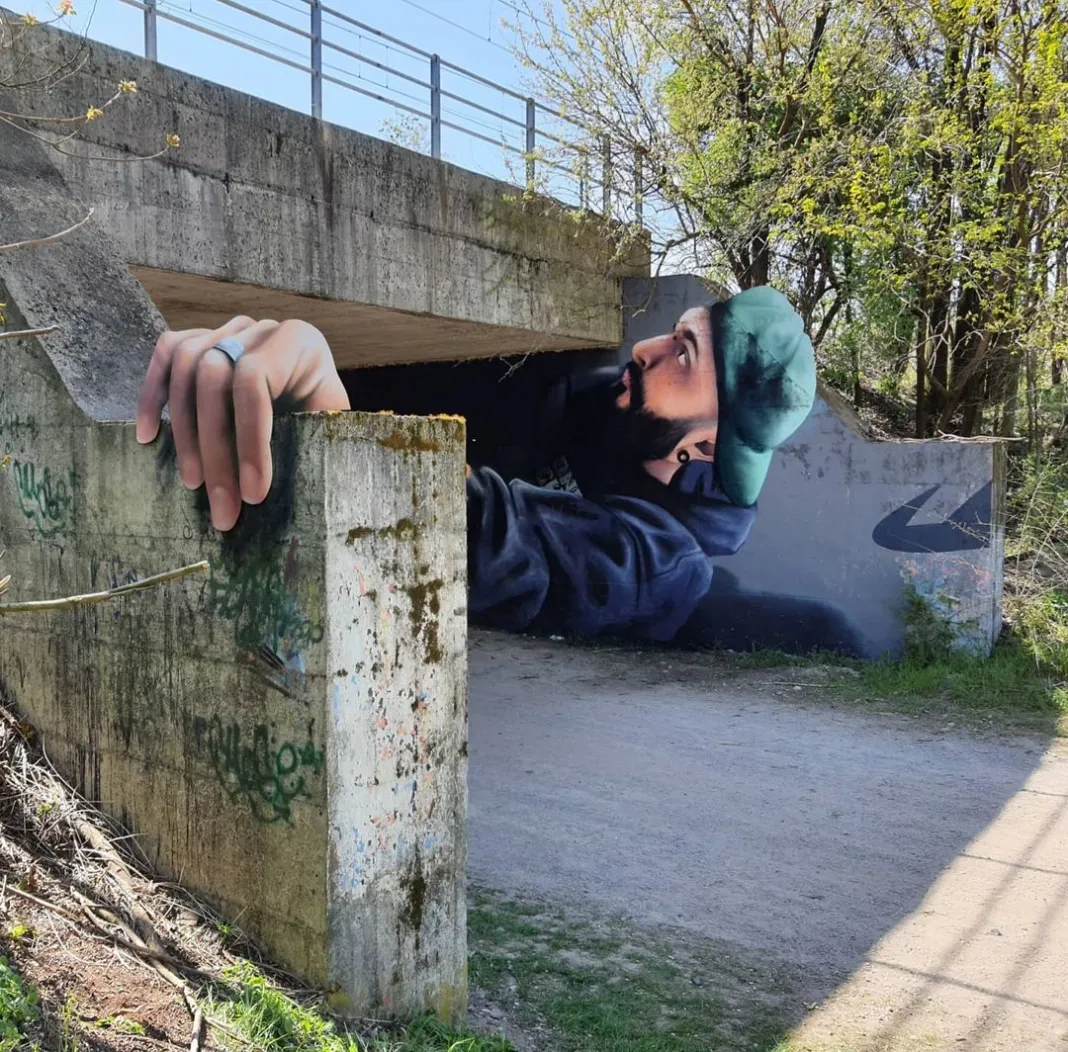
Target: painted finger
point(215, 433)
point(253, 413)
point(183, 402)
point(156, 385)
point(253, 424)
point(182, 396)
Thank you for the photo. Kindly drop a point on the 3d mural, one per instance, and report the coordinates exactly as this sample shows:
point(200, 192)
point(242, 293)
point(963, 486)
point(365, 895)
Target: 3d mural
point(694, 486)
point(665, 492)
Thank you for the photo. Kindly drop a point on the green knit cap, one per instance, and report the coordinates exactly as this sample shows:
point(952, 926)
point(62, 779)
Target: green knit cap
point(766, 375)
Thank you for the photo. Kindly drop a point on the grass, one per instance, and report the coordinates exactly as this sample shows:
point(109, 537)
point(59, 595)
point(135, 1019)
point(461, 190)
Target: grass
point(605, 986)
point(1006, 691)
point(18, 1008)
point(1006, 687)
point(121, 1025)
point(269, 1020)
point(1022, 686)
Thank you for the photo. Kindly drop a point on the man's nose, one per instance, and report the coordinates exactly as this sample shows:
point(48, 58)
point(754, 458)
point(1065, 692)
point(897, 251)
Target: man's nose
point(649, 353)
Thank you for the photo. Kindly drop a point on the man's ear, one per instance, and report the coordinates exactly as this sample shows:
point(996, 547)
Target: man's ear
point(698, 444)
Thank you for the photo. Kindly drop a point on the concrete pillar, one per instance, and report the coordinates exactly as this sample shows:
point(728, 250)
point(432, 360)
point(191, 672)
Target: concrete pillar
point(286, 734)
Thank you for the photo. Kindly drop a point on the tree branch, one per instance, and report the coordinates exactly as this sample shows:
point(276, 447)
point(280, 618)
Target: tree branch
point(16, 245)
point(102, 597)
point(21, 333)
point(828, 320)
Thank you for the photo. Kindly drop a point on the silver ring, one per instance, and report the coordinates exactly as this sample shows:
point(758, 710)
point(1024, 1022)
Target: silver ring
point(231, 346)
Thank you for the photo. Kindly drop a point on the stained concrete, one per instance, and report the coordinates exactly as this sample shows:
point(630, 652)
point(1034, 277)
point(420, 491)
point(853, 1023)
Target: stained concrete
point(912, 877)
point(286, 734)
point(394, 256)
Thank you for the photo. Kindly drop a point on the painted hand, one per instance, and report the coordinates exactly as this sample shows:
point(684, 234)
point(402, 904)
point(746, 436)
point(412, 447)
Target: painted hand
point(222, 414)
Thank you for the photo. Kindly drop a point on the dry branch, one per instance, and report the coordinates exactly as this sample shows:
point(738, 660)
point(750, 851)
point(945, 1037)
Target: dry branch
point(23, 333)
point(16, 245)
point(105, 935)
point(71, 601)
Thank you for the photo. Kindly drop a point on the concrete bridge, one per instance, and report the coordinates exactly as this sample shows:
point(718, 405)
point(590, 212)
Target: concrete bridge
point(395, 256)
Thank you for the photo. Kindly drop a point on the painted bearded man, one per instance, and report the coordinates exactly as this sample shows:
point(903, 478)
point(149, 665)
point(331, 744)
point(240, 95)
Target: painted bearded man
point(596, 498)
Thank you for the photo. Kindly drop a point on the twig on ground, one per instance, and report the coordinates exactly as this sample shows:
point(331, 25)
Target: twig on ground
point(149, 955)
point(198, 1030)
point(144, 923)
point(126, 1036)
point(71, 601)
point(44, 904)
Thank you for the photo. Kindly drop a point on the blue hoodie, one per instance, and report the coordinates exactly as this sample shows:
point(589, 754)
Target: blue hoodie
point(557, 541)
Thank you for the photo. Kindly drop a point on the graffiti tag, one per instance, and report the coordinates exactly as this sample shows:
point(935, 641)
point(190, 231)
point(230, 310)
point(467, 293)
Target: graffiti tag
point(254, 596)
point(46, 500)
point(266, 775)
point(13, 425)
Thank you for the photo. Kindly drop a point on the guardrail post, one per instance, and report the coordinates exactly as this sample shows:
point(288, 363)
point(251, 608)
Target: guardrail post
point(606, 175)
point(317, 59)
point(150, 30)
point(637, 186)
point(435, 107)
point(531, 143)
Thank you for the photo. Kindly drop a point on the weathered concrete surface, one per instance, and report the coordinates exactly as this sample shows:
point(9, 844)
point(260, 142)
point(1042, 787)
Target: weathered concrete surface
point(851, 522)
point(287, 733)
point(396, 257)
point(914, 878)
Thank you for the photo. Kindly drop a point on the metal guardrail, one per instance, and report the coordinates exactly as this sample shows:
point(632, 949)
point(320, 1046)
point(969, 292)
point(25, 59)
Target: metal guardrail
point(313, 37)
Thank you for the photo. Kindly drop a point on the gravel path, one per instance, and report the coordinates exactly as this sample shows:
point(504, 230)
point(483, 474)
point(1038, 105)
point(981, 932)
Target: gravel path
point(915, 876)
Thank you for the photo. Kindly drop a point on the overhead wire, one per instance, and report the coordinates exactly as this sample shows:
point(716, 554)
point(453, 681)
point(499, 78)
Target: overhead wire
point(456, 25)
point(244, 34)
point(304, 10)
point(538, 21)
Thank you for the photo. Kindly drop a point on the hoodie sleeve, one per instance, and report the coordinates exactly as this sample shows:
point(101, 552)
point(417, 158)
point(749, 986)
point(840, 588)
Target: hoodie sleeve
point(552, 560)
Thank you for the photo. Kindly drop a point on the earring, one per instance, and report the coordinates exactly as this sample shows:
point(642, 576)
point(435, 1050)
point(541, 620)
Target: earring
point(683, 455)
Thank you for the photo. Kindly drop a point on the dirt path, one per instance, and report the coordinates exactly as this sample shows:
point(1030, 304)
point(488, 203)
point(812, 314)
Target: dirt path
point(917, 878)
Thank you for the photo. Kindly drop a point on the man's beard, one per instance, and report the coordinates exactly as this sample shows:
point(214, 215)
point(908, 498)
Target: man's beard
point(634, 434)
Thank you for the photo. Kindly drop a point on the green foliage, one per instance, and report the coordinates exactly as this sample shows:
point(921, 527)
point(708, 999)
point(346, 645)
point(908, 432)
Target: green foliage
point(1042, 625)
point(604, 986)
point(1005, 690)
point(896, 166)
point(929, 634)
point(1037, 603)
point(18, 1007)
point(69, 1037)
point(430, 1035)
point(120, 1024)
point(269, 1020)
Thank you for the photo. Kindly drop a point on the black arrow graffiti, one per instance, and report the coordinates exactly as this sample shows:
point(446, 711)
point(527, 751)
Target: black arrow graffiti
point(966, 530)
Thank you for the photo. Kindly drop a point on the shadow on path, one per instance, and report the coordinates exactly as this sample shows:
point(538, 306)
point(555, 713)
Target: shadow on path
point(834, 842)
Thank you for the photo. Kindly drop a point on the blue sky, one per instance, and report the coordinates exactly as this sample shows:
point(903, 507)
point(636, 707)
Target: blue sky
point(468, 33)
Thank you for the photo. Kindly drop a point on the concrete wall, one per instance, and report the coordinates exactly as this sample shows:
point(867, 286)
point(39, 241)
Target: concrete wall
point(849, 522)
point(286, 734)
point(266, 211)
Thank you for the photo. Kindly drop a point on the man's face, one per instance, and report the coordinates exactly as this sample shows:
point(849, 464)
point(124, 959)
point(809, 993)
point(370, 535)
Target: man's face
point(671, 379)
